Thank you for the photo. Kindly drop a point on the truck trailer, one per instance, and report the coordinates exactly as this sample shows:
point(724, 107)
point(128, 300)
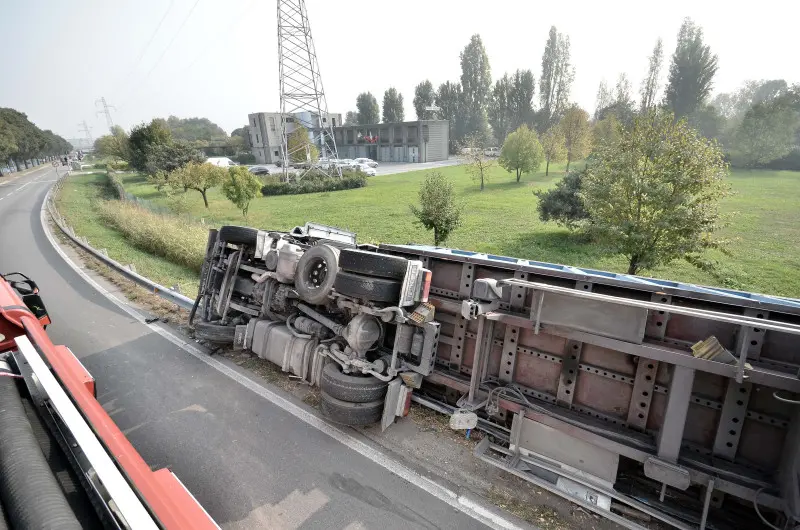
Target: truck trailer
point(636, 398)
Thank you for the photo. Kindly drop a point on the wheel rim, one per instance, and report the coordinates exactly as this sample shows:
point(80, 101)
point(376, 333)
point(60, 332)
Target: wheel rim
point(317, 273)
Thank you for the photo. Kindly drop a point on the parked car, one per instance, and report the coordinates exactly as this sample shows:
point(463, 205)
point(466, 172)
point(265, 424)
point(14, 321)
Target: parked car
point(492, 152)
point(367, 161)
point(259, 170)
point(364, 168)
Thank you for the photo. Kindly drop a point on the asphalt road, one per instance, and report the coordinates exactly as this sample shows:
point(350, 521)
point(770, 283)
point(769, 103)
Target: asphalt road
point(250, 463)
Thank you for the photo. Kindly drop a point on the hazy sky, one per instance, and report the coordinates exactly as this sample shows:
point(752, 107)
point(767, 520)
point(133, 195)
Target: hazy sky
point(219, 60)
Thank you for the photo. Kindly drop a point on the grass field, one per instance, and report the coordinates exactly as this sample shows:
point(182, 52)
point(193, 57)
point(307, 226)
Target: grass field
point(765, 215)
point(79, 203)
point(764, 211)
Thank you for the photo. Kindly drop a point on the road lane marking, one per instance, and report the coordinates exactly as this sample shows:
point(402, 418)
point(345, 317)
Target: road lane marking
point(465, 503)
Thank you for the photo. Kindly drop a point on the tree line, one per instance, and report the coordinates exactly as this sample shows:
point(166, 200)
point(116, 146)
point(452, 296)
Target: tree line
point(757, 125)
point(23, 143)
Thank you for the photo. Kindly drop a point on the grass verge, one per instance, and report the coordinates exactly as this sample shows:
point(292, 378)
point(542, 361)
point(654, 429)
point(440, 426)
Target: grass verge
point(80, 202)
point(765, 215)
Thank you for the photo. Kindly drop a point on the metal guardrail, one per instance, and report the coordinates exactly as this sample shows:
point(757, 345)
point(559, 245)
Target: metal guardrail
point(155, 288)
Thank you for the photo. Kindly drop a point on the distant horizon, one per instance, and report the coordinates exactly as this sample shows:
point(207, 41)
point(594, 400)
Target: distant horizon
point(219, 61)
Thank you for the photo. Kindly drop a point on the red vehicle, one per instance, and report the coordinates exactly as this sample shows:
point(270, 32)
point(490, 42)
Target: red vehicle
point(47, 395)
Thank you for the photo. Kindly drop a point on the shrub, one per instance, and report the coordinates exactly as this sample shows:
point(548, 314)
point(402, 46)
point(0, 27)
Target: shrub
point(119, 165)
point(245, 158)
point(177, 240)
point(315, 184)
point(563, 204)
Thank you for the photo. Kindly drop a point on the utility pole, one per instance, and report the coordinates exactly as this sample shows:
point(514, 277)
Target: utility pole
point(84, 128)
point(106, 110)
point(302, 96)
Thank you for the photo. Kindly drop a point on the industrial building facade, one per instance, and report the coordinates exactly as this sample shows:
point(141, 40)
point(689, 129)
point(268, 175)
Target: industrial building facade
point(265, 131)
point(408, 141)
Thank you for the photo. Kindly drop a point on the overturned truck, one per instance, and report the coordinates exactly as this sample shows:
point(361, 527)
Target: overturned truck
point(638, 399)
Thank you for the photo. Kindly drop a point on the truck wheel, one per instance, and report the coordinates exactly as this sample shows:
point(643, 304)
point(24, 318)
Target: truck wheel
point(238, 235)
point(214, 332)
point(346, 413)
point(367, 287)
point(351, 387)
point(373, 264)
point(316, 273)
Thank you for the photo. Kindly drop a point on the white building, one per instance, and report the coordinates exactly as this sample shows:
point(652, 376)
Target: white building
point(265, 131)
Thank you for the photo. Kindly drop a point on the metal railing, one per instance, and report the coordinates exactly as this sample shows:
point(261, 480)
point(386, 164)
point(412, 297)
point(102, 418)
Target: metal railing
point(126, 271)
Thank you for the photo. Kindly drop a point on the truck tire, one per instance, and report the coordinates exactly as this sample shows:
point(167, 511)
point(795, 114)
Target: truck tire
point(350, 387)
point(373, 264)
point(346, 413)
point(316, 273)
point(367, 287)
point(214, 332)
point(238, 235)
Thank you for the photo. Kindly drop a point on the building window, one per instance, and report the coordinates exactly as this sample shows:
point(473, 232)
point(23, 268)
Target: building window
point(254, 122)
point(272, 124)
point(289, 119)
point(324, 120)
point(257, 140)
point(277, 153)
point(349, 136)
point(333, 120)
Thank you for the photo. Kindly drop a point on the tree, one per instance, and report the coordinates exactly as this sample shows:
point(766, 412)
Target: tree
point(244, 134)
point(169, 157)
point(650, 85)
point(144, 138)
point(300, 146)
point(438, 210)
point(521, 90)
point(8, 144)
point(553, 147)
point(499, 113)
point(556, 79)
point(368, 111)
point(563, 204)
point(114, 145)
point(521, 152)
point(200, 130)
point(351, 118)
point(476, 85)
point(604, 99)
point(29, 141)
point(691, 74)
point(424, 95)
point(622, 105)
point(654, 195)
point(577, 133)
point(240, 187)
point(473, 155)
point(448, 99)
point(708, 121)
point(196, 176)
point(392, 106)
point(609, 129)
point(767, 132)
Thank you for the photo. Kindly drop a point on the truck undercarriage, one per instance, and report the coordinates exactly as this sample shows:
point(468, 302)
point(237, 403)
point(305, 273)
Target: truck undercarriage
point(633, 397)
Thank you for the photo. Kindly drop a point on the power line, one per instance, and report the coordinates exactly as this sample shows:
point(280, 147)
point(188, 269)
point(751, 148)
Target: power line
point(84, 128)
point(146, 46)
point(175, 36)
point(209, 44)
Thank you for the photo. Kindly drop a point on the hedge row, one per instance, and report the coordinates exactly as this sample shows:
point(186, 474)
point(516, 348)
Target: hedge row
point(314, 185)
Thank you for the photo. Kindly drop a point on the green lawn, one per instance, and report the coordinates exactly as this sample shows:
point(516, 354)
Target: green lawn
point(77, 203)
point(765, 213)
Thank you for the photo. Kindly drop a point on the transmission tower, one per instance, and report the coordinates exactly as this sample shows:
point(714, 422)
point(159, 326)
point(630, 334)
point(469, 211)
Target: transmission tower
point(302, 96)
point(106, 110)
point(84, 128)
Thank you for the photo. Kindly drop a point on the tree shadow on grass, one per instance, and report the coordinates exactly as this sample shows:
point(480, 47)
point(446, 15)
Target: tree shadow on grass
point(559, 246)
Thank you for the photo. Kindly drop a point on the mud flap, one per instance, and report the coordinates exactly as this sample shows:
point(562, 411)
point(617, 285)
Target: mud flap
point(397, 403)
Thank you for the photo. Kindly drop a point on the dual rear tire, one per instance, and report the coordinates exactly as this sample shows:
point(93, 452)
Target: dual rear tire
point(351, 399)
